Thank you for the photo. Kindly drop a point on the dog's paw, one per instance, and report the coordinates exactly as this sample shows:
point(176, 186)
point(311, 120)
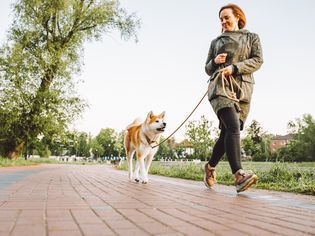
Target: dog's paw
point(137, 180)
point(144, 182)
point(130, 176)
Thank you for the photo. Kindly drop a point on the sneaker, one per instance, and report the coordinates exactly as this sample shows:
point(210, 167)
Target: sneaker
point(209, 176)
point(243, 180)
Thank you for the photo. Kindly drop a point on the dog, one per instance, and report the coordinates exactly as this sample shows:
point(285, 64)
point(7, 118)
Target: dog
point(141, 139)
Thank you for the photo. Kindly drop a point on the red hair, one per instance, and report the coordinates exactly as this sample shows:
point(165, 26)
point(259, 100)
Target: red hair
point(237, 12)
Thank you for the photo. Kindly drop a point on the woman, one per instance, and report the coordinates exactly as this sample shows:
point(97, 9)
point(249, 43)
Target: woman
point(236, 52)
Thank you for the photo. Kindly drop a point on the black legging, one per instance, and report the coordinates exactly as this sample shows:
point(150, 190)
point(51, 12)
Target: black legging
point(229, 140)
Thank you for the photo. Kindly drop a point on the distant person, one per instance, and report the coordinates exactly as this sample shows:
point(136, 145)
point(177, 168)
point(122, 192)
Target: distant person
point(233, 57)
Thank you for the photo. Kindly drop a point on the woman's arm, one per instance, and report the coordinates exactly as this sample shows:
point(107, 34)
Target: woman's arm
point(255, 60)
point(211, 67)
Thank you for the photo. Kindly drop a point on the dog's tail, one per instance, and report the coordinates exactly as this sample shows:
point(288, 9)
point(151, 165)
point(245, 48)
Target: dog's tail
point(136, 122)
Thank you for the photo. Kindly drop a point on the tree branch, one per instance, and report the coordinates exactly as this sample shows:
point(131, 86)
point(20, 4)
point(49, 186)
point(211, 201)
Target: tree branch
point(87, 27)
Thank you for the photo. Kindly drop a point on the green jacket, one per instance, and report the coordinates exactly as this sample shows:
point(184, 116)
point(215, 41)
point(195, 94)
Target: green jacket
point(245, 54)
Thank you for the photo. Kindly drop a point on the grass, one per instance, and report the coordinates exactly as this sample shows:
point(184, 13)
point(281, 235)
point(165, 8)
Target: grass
point(5, 162)
point(287, 177)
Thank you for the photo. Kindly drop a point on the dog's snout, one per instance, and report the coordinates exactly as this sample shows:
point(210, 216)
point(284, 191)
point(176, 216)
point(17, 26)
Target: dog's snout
point(164, 123)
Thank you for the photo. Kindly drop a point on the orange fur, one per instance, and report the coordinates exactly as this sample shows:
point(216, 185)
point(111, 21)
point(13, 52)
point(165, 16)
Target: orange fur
point(133, 137)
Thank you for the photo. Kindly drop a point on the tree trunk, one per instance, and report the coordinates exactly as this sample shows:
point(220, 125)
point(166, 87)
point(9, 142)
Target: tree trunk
point(16, 152)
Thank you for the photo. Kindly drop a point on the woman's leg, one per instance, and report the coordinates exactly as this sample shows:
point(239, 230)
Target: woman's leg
point(232, 144)
point(218, 149)
point(230, 134)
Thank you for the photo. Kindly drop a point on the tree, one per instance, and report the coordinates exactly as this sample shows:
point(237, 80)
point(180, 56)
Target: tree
point(256, 144)
point(255, 132)
point(302, 146)
point(83, 144)
point(97, 148)
point(251, 143)
point(119, 143)
point(44, 48)
point(184, 149)
point(107, 140)
point(166, 149)
point(198, 134)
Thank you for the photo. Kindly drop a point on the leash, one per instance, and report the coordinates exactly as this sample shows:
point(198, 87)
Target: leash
point(232, 81)
point(182, 122)
point(233, 97)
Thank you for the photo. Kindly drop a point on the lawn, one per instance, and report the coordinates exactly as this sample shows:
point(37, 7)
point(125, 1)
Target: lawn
point(5, 162)
point(288, 177)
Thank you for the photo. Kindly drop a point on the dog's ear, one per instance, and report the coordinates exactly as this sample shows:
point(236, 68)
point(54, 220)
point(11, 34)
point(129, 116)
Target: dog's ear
point(150, 114)
point(162, 115)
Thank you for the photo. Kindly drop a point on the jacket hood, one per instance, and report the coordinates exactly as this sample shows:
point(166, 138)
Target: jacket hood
point(233, 33)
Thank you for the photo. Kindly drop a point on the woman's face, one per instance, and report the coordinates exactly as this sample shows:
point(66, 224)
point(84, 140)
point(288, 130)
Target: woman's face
point(228, 21)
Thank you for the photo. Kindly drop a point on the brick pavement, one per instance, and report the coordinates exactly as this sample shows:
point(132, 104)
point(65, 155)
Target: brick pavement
point(98, 200)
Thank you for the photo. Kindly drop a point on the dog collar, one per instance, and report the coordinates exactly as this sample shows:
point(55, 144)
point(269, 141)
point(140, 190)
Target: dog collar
point(150, 141)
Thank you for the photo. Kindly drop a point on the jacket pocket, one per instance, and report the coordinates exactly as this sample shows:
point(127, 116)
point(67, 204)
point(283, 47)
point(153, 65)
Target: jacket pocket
point(248, 78)
point(247, 91)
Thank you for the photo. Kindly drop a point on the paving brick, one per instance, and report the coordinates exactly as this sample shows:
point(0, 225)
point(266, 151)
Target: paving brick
point(162, 217)
point(120, 224)
point(65, 233)
point(96, 230)
point(58, 215)
point(131, 232)
point(4, 234)
point(6, 226)
point(135, 216)
point(62, 225)
point(7, 215)
point(155, 227)
point(193, 230)
point(170, 234)
point(85, 216)
point(28, 230)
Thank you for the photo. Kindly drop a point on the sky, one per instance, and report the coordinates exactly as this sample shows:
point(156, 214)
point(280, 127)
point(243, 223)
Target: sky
point(164, 71)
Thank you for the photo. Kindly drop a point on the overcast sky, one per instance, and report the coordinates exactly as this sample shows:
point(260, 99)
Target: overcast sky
point(164, 71)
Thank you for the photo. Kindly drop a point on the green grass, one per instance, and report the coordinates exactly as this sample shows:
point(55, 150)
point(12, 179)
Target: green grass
point(287, 177)
point(4, 162)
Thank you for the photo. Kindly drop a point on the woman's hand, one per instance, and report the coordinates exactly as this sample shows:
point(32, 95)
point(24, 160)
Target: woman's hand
point(227, 71)
point(220, 59)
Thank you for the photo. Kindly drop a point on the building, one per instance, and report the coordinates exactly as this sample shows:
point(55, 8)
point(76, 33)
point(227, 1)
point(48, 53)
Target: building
point(280, 141)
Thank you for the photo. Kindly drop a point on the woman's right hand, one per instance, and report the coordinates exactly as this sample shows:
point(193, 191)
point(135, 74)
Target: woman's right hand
point(220, 59)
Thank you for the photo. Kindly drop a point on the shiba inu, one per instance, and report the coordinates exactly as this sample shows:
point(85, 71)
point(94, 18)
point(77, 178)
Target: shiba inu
point(141, 139)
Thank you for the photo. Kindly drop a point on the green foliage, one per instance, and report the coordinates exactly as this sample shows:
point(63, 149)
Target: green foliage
point(255, 132)
point(302, 146)
point(37, 93)
point(256, 144)
point(107, 140)
point(166, 150)
point(198, 134)
point(119, 143)
point(44, 151)
point(83, 145)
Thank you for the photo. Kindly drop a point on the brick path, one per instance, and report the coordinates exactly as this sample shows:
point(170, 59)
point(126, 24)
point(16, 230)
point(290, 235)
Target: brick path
point(97, 200)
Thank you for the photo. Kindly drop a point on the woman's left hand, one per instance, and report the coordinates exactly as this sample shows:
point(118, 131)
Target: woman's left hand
point(227, 71)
